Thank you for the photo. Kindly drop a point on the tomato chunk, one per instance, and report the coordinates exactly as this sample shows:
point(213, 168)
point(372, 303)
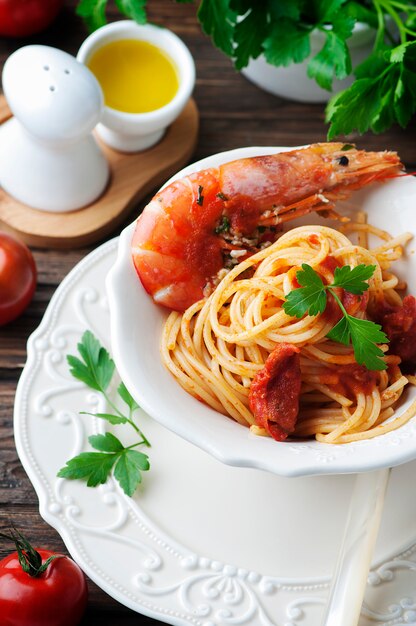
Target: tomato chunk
point(399, 324)
point(275, 391)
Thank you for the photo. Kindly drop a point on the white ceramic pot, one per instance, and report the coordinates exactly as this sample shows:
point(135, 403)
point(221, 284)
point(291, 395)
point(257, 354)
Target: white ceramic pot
point(292, 82)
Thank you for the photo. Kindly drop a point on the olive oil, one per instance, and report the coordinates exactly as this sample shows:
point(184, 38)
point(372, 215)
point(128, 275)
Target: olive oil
point(135, 76)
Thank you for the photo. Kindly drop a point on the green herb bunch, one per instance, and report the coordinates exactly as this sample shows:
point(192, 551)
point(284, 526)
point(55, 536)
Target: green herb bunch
point(311, 299)
point(95, 368)
point(384, 91)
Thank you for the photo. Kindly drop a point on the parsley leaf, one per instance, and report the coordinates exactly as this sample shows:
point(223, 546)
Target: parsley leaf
point(354, 108)
point(288, 42)
point(352, 279)
point(106, 443)
point(341, 332)
point(311, 298)
point(249, 34)
point(93, 11)
point(404, 101)
point(128, 470)
point(384, 92)
point(334, 58)
point(134, 9)
point(94, 467)
point(109, 417)
point(365, 336)
point(217, 20)
point(327, 10)
point(285, 8)
point(125, 395)
point(361, 13)
point(96, 368)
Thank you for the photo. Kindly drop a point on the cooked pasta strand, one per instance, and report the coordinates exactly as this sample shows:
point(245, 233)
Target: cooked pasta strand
point(216, 347)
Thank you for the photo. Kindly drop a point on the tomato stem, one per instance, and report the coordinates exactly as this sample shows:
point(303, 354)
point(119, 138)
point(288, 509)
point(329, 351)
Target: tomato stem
point(30, 560)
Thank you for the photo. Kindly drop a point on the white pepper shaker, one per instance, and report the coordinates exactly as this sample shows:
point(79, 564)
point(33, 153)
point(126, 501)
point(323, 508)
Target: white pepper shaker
point(49, 158)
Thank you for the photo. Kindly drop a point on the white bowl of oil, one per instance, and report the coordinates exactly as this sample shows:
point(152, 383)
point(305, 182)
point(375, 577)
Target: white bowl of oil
point(147, 75)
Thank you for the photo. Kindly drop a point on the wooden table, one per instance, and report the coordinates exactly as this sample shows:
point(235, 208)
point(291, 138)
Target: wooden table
point(234, 113)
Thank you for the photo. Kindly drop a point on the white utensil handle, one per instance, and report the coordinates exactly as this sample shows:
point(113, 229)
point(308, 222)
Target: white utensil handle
point(354, 559)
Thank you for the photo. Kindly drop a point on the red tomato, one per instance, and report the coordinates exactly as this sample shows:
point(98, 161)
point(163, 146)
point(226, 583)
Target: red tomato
point(17, 278)
point(20, 18)
point(57, 597)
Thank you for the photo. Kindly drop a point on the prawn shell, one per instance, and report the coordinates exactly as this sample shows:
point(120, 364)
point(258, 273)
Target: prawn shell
point(175, 247)
point(198, 225)
point(254, 185)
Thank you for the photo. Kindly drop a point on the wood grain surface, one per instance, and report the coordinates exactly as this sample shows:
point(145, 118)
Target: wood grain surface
point(233, 113)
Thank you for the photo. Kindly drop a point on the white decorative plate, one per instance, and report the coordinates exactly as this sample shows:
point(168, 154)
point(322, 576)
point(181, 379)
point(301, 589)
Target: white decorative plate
point(201, 543)
point(136, 327)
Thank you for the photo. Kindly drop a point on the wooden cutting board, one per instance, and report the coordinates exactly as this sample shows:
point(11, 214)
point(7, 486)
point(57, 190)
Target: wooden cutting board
point(132, 177)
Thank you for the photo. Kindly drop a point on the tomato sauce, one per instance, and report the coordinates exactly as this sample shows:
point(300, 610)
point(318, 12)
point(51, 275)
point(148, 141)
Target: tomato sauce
point(275, 392)
point(352, 304)
point(349, 380)
point(292, 275)
point(330, 263)
point(332, 311)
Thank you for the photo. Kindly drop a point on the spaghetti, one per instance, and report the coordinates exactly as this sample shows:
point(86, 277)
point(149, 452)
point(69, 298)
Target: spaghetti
point(218, 345)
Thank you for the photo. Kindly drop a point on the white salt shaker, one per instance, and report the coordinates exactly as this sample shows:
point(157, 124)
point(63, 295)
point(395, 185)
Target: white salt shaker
point(49, 158)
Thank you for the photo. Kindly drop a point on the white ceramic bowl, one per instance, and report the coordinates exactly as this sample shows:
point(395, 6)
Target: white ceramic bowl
point(136, 325)
point(131, 132)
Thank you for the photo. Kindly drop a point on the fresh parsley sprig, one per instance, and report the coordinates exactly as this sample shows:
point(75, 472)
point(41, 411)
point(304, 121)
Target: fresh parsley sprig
point(311, 298)
point(384, 91)
point(95, 368)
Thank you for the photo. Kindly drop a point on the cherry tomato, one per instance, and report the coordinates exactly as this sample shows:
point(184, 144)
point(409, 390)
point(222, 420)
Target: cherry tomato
point(57, 597)
point(17, 278)
point(20, 18)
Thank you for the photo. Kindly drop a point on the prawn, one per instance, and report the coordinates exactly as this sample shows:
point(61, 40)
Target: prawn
point(196, 228)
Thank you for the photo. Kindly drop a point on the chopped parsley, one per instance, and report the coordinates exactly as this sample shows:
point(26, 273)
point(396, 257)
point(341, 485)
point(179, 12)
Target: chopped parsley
point(200, 198)
point(223, 226)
